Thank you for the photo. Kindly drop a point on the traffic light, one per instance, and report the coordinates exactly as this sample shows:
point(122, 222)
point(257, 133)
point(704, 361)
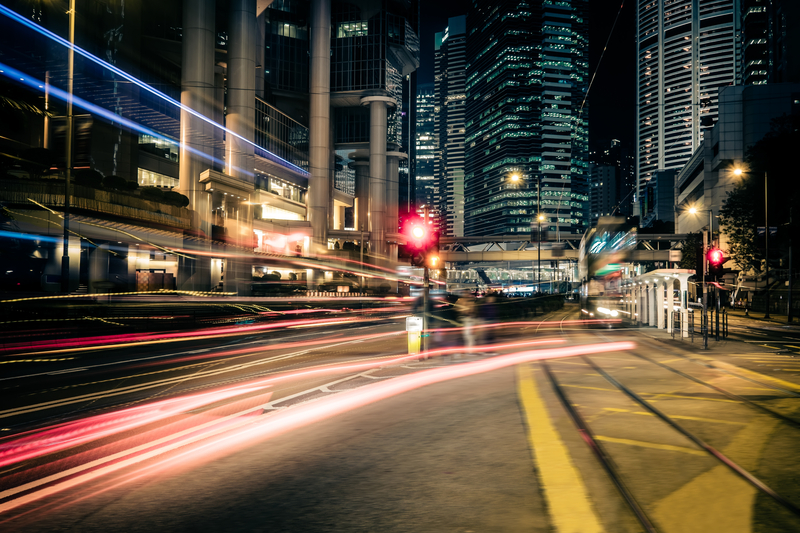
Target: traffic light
point(432, 260)
point(422, 243)
point(716, 258)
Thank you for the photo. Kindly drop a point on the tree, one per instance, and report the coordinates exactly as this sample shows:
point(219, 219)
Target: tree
point(88, 177)
point(692, 243)
point(743, 211)
point(737, 219)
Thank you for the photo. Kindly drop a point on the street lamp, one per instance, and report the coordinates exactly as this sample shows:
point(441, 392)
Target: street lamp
point(694, 210)
point(739, 172)
point(539, 219)
point(65, 285)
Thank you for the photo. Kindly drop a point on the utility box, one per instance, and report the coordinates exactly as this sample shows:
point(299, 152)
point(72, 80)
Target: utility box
point(414, 329)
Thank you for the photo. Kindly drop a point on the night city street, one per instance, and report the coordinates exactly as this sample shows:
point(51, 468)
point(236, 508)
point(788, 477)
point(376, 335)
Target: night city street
point(387, 265)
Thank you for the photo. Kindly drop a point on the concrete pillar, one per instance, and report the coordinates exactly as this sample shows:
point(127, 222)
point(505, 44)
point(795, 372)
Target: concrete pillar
point(240, 161)
point(393, 198)
point(661, 321)
point(684, 291)
point(319, 123)
point(652, 315)
point(198, 93)
point(377, 172)
point(218, 114)
point(98, 268)
point(360, 164)
point(51, 276)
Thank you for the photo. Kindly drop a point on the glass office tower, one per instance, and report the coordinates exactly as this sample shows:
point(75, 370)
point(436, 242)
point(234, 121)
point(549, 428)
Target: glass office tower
point(686, 50)
point(449, 76)
point(426, 146)
point(527, 77)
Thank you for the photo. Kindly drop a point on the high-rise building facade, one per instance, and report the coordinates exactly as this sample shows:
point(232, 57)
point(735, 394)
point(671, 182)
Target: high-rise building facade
point(526, 140)
point(768, 42)
point(426, 146)
point(251, 111)
point(686, 51)
point(450, 72)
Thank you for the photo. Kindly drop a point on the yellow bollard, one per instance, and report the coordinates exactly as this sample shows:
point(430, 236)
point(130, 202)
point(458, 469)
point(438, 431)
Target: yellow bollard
point(414, 329)
point(414, 338)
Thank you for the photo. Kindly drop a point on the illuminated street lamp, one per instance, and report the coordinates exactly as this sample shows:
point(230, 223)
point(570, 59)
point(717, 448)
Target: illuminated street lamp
point(739, 172)
point(68, 171)
point(539, 220)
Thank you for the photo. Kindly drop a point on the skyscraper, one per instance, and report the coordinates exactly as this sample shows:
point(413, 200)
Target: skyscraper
point(426, 146)
point(768, 42)
point(449, 75)
point(526, 126)
point(686, 51)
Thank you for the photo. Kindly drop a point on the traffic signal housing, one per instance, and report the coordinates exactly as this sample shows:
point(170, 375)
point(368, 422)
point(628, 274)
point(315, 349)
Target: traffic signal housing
point(716, 258)
point(422, 243)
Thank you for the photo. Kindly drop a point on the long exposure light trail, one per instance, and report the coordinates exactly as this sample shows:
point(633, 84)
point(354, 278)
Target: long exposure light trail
point(48, 440)
point(64, 42)
point(67, 435)
point(126, 340)
point(213, 438)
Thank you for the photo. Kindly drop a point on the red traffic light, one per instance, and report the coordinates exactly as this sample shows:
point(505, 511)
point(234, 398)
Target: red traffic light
point(417, 234)
point(715, 256)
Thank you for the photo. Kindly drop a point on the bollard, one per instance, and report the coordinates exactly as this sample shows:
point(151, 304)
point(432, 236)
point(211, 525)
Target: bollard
point(414, 329)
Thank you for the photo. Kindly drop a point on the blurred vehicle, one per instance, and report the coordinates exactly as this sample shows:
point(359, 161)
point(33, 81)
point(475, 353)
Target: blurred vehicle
point(604, 251)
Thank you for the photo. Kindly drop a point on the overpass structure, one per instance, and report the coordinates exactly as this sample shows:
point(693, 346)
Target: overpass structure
point(503, 248)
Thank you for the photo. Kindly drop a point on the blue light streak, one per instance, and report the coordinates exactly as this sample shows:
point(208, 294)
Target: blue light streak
point(21, 77)
point(60, 40)
point(29, 237)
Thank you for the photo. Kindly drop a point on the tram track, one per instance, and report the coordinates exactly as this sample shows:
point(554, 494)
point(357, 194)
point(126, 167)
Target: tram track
point(622, 480)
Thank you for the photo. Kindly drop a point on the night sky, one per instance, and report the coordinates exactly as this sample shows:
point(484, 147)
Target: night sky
point(613, 94)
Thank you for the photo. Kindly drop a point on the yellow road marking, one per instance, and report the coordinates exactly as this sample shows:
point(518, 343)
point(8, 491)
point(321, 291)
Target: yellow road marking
point(758, 376)
point(697, 418)
point(684, 397)
point(655, 446)
point(696, 506)
point(793, 346)
point(589, 388)
point(566, 495)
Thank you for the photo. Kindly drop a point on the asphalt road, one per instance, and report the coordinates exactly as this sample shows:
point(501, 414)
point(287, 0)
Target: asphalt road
point(480, 450)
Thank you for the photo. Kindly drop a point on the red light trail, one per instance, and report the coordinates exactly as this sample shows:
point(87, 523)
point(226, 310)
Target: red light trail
point(233, 430)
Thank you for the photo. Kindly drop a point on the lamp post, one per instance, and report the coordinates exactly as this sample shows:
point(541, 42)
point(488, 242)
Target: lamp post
point(693, 211)
point(68, 171)
point(766, 245)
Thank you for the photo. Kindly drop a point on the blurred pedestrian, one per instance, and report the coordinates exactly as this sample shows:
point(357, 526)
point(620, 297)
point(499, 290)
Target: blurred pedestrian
point(468, 319)
point(487, 314)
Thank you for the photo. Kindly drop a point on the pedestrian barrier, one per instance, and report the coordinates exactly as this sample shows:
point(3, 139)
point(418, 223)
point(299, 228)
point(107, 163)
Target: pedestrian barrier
point(724, 323)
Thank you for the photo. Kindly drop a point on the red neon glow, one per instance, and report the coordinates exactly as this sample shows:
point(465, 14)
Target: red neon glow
point(247, 430)
point(39, 443)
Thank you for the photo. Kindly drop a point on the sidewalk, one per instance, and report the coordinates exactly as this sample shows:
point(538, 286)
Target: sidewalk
point(775, 318)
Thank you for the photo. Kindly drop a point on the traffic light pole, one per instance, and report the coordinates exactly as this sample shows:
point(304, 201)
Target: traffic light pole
point(766, 244)
point(706, 248)
point(425, 297)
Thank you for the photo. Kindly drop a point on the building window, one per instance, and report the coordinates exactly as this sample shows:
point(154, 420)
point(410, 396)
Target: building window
point(148, 178)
